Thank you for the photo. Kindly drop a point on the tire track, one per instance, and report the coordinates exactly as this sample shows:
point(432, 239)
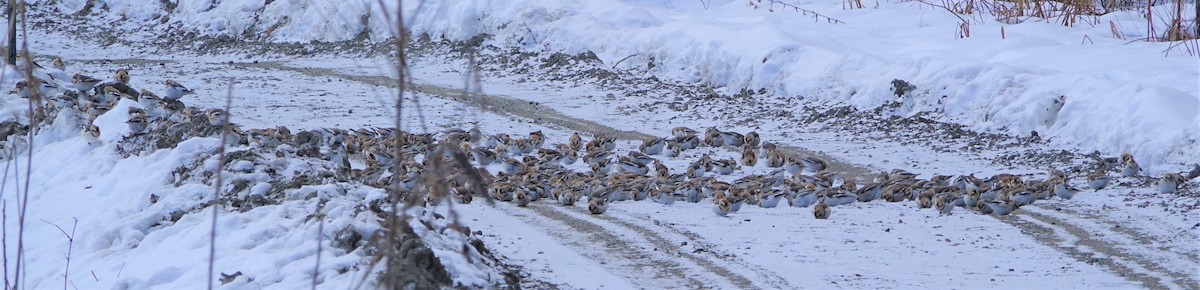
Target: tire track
point(605, 248)
point(670, 247)
point(769, 277)
point(1073, 238)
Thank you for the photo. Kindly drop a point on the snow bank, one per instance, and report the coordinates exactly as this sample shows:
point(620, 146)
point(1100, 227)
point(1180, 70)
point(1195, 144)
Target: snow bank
point(1118, 95)
point(144, 221)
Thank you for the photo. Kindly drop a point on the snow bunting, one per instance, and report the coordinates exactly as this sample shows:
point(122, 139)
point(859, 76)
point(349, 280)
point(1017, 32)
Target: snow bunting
point(641, 158)
point(483, 156)
point(1001, 207)
point(813, 164)
point(522, 197)
point(721, 207)
point(943, 204)
point(653, 146)
point(58, 64)
point(660, 170)
point(749, 158)
point(175, 90)
point(682, 132)
point(84, 83)
point(121, 76)
point(91, 133)
point(774, 159)
point(673, 149)
point(634, 167)
point(597, 205)
point(217, 117)
point(1130, 167)
point(724, 166)
point(537, 139)
point(1098, 180)
point(688, 142)
point(752, 139)
point(43, 88)
point(1170, 182)
point(137, 124)
point(772, 199)
point(821, 210)
point(712, 137)
point(1064, 190)
point(575, 142)
point(734, 139)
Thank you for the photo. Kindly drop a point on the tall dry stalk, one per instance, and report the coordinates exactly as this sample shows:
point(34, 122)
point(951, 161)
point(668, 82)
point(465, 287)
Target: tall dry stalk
point(216, 203)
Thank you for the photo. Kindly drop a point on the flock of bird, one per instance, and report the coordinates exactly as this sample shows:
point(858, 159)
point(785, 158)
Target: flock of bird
point(526, 169)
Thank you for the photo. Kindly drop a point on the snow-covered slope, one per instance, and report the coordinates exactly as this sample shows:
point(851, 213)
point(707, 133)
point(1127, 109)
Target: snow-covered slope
point(1081, 86)
point(127, 212)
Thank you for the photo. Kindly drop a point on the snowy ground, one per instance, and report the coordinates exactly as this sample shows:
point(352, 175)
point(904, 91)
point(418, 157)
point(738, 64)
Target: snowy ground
point(825, 95)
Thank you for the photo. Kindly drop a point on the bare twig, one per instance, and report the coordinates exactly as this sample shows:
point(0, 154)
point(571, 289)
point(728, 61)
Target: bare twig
point(797, 8)
point(33, 86)
point(70, 245)
point(320, 234)
point(216, 204)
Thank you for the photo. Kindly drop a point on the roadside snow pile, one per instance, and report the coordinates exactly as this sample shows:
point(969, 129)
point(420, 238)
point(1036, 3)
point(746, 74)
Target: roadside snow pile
point(134, 210)
point(1084, 87)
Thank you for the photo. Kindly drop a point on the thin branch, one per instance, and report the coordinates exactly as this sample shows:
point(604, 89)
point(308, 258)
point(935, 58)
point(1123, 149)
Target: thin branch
point(212, 237)
point(70, 245)
point(797, 8)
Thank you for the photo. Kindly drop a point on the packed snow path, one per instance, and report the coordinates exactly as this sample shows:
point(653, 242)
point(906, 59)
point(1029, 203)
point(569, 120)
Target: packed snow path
point(674, 259)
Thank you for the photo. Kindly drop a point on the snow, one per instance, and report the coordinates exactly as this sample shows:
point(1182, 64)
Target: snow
point(1145, 100)
point(1120, 96)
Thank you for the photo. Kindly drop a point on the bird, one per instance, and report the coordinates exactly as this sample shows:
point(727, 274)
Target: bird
point(1001, 207)
point(688, 142)
point(84, 83)
point(148, 100)
point(749, 159)
point(633, 167)
point(712, 137)
point(1130, 167)
point(483, 156)
point(813, 164)
point(575, 142)
point(137, 124)
point(43, 88)
point(58, 64)
point(653, 146)
point(597, 205)
point(217, 117)
point(1065, 191)
point(1170, 182)
point(821, 210)
point(943, 204)
point(682, 132)
point(1097, 180)
point(91, 133)
point(724, 166)
point(121, 76)
point(772, 199)
point(721, 207)
point(522, 197)
point(175, 90)
point(752, 139)
point(732, 139)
